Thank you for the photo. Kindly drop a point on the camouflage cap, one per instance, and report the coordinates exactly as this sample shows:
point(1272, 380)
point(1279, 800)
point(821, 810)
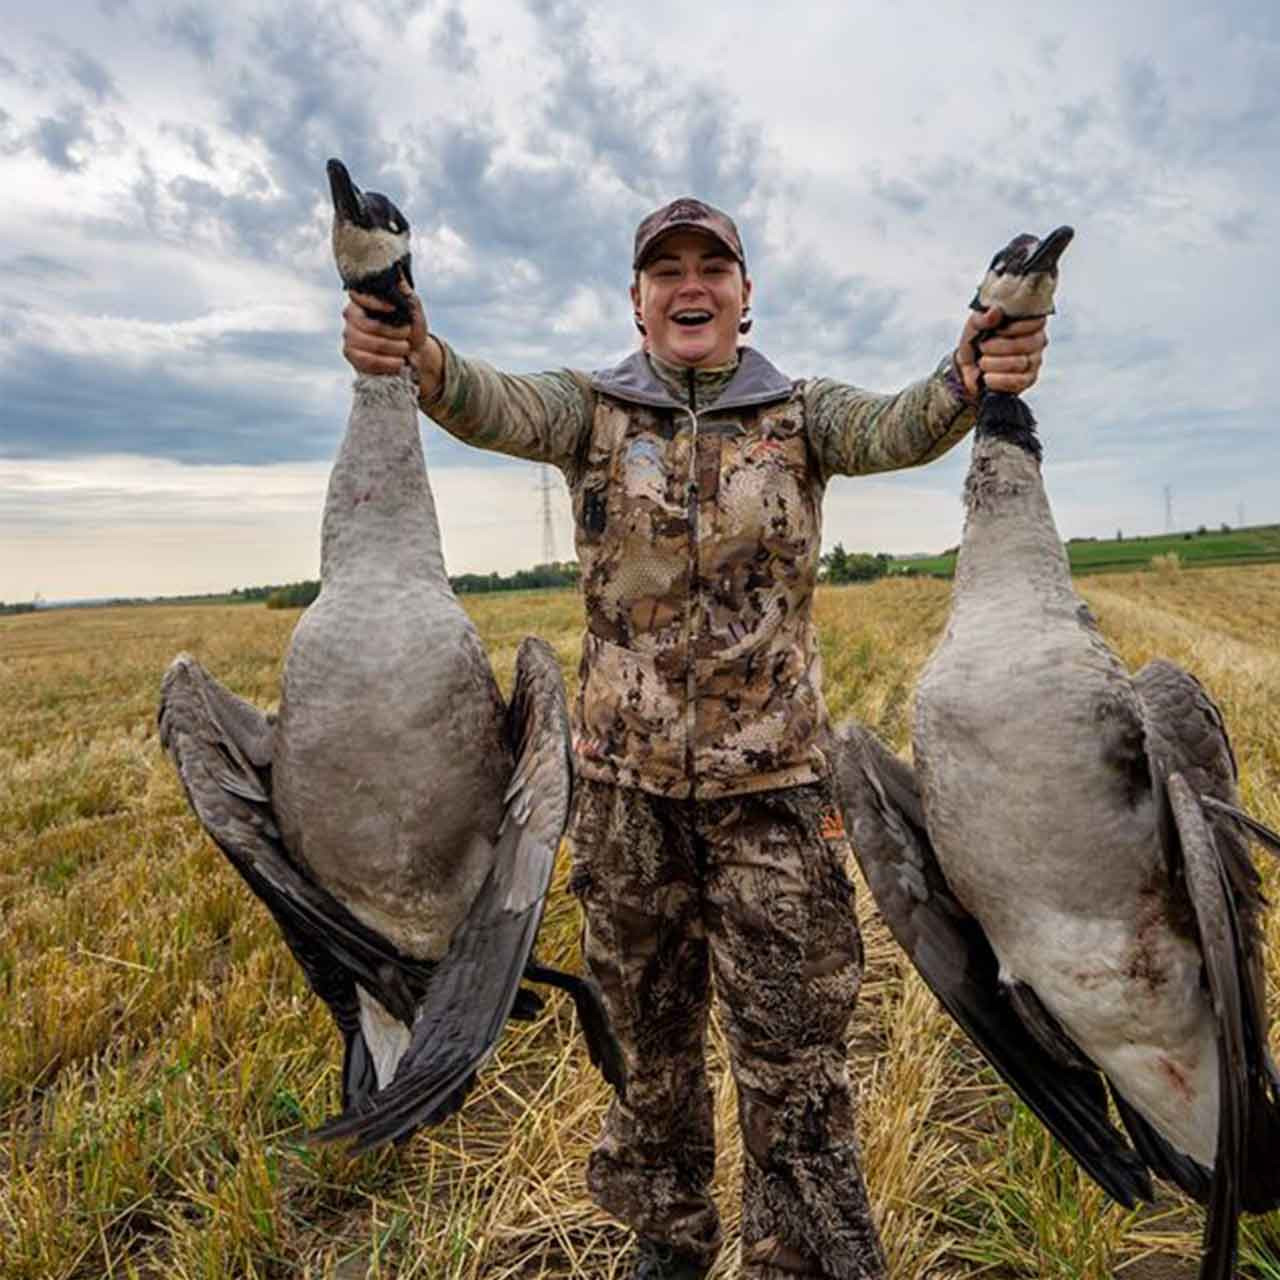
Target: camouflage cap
point(686, 213)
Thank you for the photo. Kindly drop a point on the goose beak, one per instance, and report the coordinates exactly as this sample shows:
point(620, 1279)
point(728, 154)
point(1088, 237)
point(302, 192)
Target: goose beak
point(348, 203)
point(1049, 250)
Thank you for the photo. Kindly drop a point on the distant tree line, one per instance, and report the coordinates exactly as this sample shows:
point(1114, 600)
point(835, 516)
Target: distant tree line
point(561, 573)
point(297, 595)
point(28, 606)
point(839, 565)
point(293, 595)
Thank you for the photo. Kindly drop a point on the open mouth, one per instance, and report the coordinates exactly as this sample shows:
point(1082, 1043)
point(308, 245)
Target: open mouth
point(691, 319)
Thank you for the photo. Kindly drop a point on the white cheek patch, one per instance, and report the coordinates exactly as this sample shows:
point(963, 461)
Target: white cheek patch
point(1021, 295)
point(361, 253)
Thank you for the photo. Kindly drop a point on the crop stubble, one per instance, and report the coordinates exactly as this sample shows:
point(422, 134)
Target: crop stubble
point(161, 1055)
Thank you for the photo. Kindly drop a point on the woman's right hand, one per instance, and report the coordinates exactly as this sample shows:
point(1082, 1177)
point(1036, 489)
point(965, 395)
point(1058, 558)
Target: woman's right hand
point(374, 347)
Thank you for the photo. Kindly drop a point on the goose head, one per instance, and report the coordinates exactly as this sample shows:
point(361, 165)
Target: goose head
point(370, 239)
point(1022, 277)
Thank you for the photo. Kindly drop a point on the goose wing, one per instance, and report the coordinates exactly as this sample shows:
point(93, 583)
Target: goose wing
point(1187, 839)
point(458, 1022)
point(1185, 734)
point(1202, 831)
point(221, 747)
point(950, 951)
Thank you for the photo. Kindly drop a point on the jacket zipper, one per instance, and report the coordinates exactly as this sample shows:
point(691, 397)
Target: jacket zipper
point(691, 673)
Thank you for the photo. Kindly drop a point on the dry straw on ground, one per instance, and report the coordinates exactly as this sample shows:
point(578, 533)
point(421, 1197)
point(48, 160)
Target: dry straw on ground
point(161, 1055)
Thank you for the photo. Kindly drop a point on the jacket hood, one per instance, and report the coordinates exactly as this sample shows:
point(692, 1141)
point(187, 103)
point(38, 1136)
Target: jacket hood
point(755, 382)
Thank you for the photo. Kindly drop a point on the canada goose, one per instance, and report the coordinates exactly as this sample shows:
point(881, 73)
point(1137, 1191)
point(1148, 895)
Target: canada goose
point(397, 819)
point(1066, 867)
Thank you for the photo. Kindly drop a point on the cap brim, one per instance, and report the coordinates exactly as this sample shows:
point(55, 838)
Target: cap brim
point(648, 251)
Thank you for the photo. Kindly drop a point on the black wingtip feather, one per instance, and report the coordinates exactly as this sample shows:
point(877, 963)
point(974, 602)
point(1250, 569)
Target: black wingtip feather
point(1270, 840)
point(359, 1079)
point(602, 1045)
point(1184, 1172)
point(395, 1113)
point(460, 1017)
point(1219, 930)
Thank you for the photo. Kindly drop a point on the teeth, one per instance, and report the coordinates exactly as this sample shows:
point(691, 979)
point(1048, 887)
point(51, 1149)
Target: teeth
point(692, 317)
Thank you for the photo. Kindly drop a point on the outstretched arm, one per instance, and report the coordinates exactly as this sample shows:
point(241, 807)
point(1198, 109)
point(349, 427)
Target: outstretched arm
point(855, 432)
point(545, 417)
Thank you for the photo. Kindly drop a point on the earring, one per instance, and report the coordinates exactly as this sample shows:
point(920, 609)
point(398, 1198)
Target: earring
point(744, 325)
point(639, 323)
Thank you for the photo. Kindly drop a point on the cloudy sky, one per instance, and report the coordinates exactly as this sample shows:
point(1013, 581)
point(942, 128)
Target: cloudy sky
point(171, 389)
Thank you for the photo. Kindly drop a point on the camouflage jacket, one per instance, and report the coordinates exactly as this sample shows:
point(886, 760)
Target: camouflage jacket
point(698, 532)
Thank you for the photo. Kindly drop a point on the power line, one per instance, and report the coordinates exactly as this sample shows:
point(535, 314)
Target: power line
point(548, 529)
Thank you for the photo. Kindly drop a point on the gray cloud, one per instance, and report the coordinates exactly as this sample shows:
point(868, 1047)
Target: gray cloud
point(1048, 48)
point(305, 86)
point(197, 140)
point(55, 138)
point(401, 12)
point(821, 326)
point(223, 401)
point(299, 96)
point(37, 266)
point(11, 142)
point(640, 141)
point(1165, 112)
point(33, 78)
point(1166, 171)
point(450, 45)
point(92, 76)
point(904, 196)
point(659, 136)
point(1144, 103)
point(191, 27)
point(303, 94)
point(58, 405)
point(1241, 224)
point(1077, 117)
point(247, 220)
point(307, 97)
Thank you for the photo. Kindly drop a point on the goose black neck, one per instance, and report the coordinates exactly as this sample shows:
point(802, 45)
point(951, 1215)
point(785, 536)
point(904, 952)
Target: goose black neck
point(1004, 416)
point(385, 286)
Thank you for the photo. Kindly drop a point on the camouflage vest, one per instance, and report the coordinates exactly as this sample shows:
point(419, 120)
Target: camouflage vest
point(698, 536)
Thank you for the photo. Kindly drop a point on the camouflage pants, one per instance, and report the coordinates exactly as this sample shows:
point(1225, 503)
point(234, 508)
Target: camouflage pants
point(752, 889)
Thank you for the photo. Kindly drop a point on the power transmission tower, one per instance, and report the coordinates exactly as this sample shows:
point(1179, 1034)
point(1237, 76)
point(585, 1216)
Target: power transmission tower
point(1240, 515)
point(548, 529)
point(1168, 508)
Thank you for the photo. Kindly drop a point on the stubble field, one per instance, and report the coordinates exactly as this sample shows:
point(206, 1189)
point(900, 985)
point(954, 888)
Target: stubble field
point(160, 1055)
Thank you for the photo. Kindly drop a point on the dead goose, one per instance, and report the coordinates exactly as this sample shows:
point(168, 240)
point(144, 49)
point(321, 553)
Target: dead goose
point(397, 820)
point(1068, 873)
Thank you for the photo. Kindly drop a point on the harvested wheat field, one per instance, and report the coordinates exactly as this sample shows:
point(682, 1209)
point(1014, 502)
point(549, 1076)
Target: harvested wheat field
point(161, 1056)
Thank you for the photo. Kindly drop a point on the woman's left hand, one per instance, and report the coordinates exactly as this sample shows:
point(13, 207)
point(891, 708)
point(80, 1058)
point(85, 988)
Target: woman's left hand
point(1009, 361)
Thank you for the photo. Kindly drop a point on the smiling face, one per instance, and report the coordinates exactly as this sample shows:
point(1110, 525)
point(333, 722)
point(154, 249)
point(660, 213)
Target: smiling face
point(690, 295)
